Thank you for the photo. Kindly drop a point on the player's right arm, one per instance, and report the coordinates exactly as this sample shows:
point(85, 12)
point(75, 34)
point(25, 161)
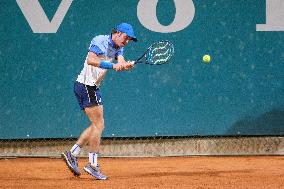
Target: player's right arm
point(94, 60)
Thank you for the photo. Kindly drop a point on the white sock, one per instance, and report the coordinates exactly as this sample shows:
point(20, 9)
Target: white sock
point(75, 150)
point(93, 159)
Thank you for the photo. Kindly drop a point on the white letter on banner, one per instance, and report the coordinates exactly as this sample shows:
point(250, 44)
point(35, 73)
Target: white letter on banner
point(146, 12)
point(37, 18)
point(274, 16)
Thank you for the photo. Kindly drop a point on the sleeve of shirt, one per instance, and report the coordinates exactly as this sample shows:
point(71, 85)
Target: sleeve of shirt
point(119, 52)
point(95, 47)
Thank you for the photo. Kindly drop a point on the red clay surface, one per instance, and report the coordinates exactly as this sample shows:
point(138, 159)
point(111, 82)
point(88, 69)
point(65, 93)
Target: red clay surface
point(163, 172)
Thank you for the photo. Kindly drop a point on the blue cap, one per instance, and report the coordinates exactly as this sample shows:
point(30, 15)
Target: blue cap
point(126, 28)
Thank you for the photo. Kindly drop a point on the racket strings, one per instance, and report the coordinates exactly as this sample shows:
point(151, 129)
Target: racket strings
point(160, 53)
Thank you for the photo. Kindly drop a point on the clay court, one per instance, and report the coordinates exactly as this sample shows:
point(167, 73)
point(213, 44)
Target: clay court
point(156, 172)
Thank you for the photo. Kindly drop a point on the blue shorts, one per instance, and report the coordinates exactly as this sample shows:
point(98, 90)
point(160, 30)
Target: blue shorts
point(87, 95)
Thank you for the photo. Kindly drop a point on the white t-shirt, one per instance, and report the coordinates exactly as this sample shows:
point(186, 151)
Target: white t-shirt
point(103, 46)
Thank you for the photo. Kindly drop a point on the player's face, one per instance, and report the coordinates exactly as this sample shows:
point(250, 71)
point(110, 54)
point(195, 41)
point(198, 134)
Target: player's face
point(122, 39)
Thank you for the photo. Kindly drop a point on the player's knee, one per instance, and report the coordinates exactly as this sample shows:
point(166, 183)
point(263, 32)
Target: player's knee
point(99, 125)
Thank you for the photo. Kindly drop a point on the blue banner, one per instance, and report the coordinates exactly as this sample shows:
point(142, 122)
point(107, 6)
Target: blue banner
point(239, 92)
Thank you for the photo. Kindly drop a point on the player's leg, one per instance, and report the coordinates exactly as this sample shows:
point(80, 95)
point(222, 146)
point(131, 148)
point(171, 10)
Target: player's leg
point(95, 115)
point(84, 137)
point(82, 93)
point(70, 156)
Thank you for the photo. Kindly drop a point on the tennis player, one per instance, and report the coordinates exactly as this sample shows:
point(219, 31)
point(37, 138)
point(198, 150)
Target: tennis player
point(102, 51)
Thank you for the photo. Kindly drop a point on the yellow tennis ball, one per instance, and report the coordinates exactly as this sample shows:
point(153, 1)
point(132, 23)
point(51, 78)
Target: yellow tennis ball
point(206, 58)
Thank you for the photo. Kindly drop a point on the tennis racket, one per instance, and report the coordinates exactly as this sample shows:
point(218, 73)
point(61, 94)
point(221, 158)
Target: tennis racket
point(157, 54)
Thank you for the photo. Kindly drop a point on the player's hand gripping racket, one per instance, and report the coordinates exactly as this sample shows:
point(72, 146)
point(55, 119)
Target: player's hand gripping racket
point(157, 54)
